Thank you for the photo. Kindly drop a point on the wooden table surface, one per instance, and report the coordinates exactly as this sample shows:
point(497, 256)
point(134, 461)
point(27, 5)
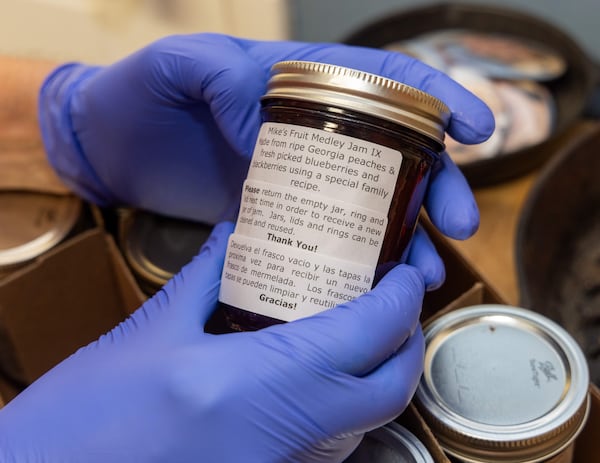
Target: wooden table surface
point(491, 251)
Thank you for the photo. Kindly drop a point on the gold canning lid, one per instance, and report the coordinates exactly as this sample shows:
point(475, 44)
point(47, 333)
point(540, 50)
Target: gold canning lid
point(32, 223)
point(157, 247)
point(502, 384)
point(360, 91)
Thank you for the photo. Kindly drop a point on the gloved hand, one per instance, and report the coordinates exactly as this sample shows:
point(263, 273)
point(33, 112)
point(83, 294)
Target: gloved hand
point(172, 127)
point(157, 388)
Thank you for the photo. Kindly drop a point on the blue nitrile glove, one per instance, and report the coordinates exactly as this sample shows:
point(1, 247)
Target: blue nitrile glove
point(171, 128)
point(159, 389)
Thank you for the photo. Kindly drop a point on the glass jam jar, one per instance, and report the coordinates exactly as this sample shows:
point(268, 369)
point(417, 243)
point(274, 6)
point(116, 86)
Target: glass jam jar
point(335, 186)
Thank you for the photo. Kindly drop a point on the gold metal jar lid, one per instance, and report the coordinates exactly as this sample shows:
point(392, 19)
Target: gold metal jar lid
point(391, 443)
point(157, 247)
point(502, 384)
point(32, 223)
point(360, 91)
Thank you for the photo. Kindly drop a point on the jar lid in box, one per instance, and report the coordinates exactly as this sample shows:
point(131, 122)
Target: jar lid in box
point(156, 247)
point(33, 223)
point(391, 443)
point(502, 384)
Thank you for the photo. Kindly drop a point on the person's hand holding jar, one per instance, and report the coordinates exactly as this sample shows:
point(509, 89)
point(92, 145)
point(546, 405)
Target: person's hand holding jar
point(171, 129)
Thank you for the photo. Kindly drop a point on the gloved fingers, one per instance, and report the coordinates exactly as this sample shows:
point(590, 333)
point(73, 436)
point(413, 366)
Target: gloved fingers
point(450, 202)
point(423, 255)
point(195, 289)
point(237, 81)
point(229, 73)
point(214, 69)
point(334, 449)
point(392, 385)
point(355, 337)
point(471, 122)
point(377, 398)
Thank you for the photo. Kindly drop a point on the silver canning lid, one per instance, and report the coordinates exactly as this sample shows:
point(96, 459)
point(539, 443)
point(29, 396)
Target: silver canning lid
point(33, 223)
point(391, 443)
point(502, 384)
point(360, 91)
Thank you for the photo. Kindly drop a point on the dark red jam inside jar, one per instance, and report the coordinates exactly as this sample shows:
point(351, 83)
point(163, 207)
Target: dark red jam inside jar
point(333, 194)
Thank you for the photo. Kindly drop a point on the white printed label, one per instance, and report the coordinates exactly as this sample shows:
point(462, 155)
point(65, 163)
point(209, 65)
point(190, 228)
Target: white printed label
point(311, 223)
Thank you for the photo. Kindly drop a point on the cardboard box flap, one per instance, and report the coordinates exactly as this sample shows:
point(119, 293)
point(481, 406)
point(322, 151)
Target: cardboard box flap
point(61, 302)
point(460, 277)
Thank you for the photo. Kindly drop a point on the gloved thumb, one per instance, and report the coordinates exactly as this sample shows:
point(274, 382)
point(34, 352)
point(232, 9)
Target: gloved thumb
point(192, 293)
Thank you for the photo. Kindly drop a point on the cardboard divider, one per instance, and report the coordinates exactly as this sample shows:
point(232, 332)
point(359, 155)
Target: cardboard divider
point(460, 277)
point(587, 445)
point(62, 301)
point(412, 420)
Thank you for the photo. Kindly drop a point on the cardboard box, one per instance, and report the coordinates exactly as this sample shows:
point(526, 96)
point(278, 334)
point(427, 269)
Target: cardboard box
point(66, 297)
point(63, 300)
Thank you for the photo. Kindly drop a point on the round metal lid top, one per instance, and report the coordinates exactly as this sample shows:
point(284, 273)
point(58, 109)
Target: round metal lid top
point(360, 91)
point(503, 380)
point(32, 223)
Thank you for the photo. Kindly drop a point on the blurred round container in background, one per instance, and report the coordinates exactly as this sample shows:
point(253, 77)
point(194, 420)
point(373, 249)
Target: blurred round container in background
point(559, 81)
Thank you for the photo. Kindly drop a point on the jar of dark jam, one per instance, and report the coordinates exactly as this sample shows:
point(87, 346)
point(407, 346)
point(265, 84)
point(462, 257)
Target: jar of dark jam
point(334, 189)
